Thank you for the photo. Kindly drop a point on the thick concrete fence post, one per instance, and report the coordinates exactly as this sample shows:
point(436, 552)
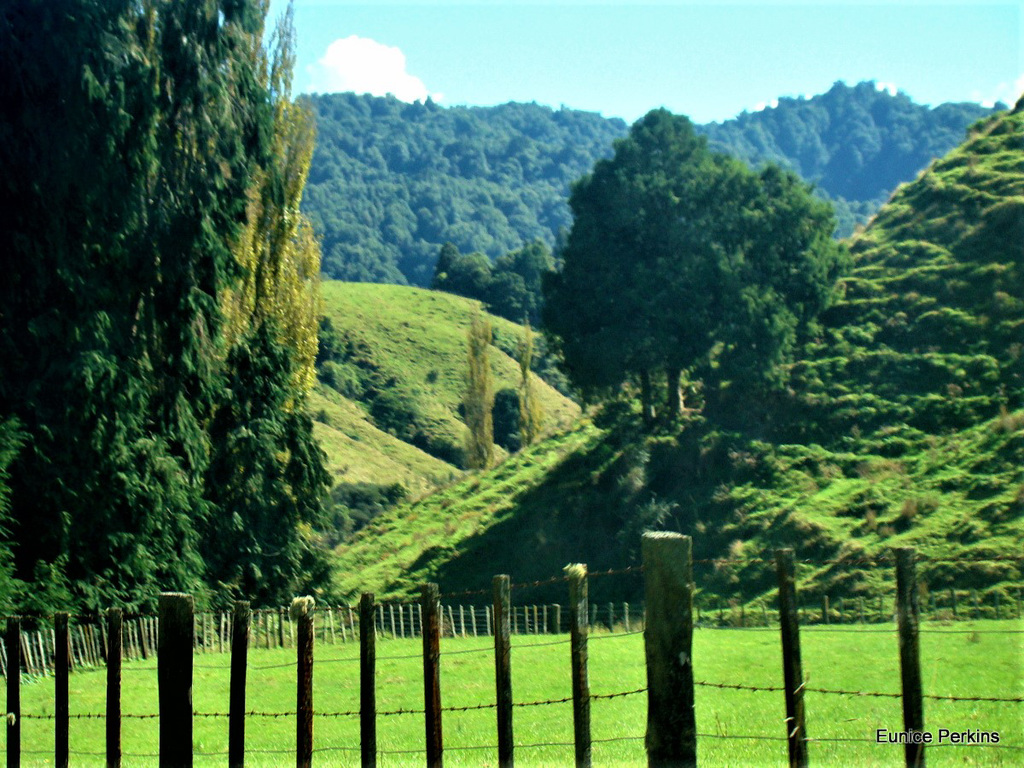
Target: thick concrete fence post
point(174, 678)
point(668, 642)
point(578, 614)
point(115, 623)
point(302, 614)
point(910, 665)
point(792, 670)
point(430, 603)
point(241, 622)
point(367, 682)
point(503, 667)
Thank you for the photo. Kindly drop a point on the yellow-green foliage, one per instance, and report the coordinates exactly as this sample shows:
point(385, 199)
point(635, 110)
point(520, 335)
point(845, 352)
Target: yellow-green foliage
point(277, 251)
point(479, 399)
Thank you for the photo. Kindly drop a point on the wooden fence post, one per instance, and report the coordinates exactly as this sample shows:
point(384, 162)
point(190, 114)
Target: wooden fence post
point(578, 614)
point(115, 626)
point(61, 666)
point(430, 603)
point(302, 615)
point(501, 586)
point(910, 665)
point(792, 669)
point(13, 642)
point(174, 678)
point(367, 682)
point(241, 621)
point(668, 643)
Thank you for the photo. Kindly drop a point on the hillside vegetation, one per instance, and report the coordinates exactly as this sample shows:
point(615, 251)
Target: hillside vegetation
point(391, 182)
point(392, 375)
point(902, 425)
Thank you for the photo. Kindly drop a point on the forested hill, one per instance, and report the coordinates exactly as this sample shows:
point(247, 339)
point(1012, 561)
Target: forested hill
point(391, 182)
point(857, 144)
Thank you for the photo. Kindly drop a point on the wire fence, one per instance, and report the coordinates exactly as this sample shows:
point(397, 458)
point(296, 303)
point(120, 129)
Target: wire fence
point(88, 645)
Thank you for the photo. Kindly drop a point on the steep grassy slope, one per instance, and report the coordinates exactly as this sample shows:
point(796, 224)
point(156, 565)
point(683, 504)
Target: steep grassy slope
point(387, 406)
point(903, 425)
point(929, 335)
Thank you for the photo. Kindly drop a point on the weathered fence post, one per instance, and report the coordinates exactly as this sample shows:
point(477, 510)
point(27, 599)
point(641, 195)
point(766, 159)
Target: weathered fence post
point(241, 621)
point(367, 682)
point(302, 615)
point(824, 609)
point(577, 574)
point(431, 605)
point(503, 668)
point(174, 678)
point(13, 642)
point(792, 669)
point(558, 618)
point(114, 639)
point(61, 711)
point(910, 665)
point(668, 643)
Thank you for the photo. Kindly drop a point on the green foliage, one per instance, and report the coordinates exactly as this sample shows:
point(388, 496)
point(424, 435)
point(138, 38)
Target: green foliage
point(130, 149)
point(531, 414)
point(683, 260)
point(902, 426)
point(479, 399)
point(511, 288)
point(11, 440)
point(266, 476)
point(391, 182)
point(505, 417)
point(855, 143)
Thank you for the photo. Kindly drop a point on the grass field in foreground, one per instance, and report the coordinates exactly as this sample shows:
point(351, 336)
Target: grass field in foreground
point(982, 658)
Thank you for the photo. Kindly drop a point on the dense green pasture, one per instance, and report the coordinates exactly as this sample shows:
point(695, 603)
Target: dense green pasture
point(982, 658)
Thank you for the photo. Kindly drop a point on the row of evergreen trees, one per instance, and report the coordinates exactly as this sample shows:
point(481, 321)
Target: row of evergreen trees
point(158, 307)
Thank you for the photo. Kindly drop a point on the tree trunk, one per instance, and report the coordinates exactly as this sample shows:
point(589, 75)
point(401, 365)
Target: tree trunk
point(646, 399)
point(674, 403)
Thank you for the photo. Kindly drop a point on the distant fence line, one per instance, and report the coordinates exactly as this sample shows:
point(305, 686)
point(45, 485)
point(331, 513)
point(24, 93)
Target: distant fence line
point(667, 618)
point(274, 628)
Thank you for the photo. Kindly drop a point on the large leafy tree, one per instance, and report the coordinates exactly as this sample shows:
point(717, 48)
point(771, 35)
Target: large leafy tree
point(132, 137)
point(684, 265)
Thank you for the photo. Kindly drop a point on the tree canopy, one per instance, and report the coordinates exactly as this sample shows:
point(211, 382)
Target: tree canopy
point(685, 262)
point(392, 182)
point(135, 140)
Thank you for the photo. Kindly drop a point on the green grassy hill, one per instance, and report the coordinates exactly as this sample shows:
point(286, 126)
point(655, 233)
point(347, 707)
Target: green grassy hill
point(392, 376)
point(903, 425)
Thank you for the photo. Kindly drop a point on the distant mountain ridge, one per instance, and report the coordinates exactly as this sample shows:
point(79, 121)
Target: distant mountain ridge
point(391, 182)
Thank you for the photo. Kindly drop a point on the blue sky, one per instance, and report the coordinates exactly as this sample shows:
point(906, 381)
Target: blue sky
point(707, 60)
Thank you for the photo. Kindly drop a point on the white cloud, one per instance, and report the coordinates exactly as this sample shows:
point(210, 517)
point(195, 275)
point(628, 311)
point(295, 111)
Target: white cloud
point(365, 66)
point(763, 105)
point(889, 88)
point(1008, 93)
